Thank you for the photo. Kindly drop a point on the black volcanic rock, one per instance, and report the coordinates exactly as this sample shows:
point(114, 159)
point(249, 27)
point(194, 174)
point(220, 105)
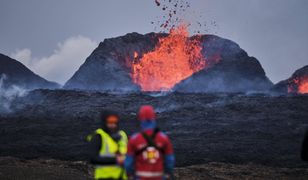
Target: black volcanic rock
point(15, 73)
point(237, 76)
point(282, 86)
point(211, 127)
point(108, 67)
point(235, 71)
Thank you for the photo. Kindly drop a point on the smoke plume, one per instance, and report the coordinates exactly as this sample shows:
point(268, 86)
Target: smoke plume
point(8, 94)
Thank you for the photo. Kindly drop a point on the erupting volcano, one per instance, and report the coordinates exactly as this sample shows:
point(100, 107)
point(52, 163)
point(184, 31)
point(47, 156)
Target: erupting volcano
point(298, 85)
point(174, 58)
point(171, 59)
point(161, 62)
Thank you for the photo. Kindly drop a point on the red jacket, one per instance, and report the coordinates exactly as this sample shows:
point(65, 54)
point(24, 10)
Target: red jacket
point(149, 164)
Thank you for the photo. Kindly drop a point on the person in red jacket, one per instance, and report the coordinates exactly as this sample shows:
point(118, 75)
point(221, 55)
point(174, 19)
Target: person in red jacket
point(150, 153)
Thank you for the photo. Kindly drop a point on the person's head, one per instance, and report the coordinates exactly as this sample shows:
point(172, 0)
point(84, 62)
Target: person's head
point(110, 121)
point(147, 117)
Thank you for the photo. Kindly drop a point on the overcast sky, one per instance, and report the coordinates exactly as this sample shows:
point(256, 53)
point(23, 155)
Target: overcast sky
point(54, 37)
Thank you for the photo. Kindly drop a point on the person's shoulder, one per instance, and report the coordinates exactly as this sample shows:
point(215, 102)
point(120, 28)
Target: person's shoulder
point(135, 136)
point(121, 132)
point(163, 135)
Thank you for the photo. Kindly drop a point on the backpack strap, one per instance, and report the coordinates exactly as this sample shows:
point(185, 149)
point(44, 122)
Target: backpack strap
point(150, 142)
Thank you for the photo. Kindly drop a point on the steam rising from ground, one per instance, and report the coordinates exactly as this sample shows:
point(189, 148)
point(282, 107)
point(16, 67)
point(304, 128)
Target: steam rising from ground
point(8, 94)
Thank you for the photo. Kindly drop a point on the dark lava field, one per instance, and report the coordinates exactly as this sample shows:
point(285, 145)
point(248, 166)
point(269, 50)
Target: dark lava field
point(229, 128)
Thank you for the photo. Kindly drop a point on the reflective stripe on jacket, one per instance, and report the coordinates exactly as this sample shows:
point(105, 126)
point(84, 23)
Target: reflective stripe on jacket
point(149, 174)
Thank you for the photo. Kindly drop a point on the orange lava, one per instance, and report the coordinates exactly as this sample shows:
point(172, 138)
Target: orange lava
point(303, 87)
point(174, 58)
point(135, 55)
point(299, 85)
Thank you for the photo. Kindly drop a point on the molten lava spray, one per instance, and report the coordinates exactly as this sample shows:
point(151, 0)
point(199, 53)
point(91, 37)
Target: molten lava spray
point(299, 85)
point(303, 87)
point(174, 58)
point(135, 55)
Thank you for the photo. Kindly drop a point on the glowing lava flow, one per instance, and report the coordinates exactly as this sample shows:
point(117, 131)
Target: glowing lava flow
point(303, 87)
point(299, 85)
point(174, 58)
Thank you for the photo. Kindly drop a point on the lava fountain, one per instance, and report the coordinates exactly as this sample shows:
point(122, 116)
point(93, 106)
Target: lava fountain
point(174, 58)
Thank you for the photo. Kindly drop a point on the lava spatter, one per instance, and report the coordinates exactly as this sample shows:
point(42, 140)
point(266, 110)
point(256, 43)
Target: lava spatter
point(174, 58)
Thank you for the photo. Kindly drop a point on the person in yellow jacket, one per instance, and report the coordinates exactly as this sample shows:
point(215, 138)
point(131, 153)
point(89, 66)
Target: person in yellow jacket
point(108, 146)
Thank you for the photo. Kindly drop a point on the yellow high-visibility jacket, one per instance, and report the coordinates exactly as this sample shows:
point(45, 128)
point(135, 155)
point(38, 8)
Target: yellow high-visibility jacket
point(109, 148)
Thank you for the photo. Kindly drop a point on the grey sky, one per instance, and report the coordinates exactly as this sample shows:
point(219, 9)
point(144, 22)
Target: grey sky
point(274, 31)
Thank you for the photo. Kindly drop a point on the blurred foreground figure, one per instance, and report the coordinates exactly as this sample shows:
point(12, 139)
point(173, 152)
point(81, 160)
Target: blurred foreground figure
point(304, 153)
point(108, 148)
point(150, 152)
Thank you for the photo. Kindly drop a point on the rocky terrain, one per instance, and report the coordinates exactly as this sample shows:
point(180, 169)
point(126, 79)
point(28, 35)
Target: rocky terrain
point(109, 66)
point(229, 128)
point(51, 169)
point(15, 73)
point(240, 75)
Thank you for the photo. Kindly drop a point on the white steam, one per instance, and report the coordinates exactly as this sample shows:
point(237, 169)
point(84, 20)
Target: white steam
point(8, 94)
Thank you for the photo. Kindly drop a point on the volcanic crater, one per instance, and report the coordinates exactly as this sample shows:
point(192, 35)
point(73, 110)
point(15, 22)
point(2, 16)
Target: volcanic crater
point(174, 61)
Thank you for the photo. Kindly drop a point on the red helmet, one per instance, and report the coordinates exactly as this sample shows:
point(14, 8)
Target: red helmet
point(146, 112)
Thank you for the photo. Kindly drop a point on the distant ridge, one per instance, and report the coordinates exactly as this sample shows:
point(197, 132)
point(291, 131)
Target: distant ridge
point(15, 73)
